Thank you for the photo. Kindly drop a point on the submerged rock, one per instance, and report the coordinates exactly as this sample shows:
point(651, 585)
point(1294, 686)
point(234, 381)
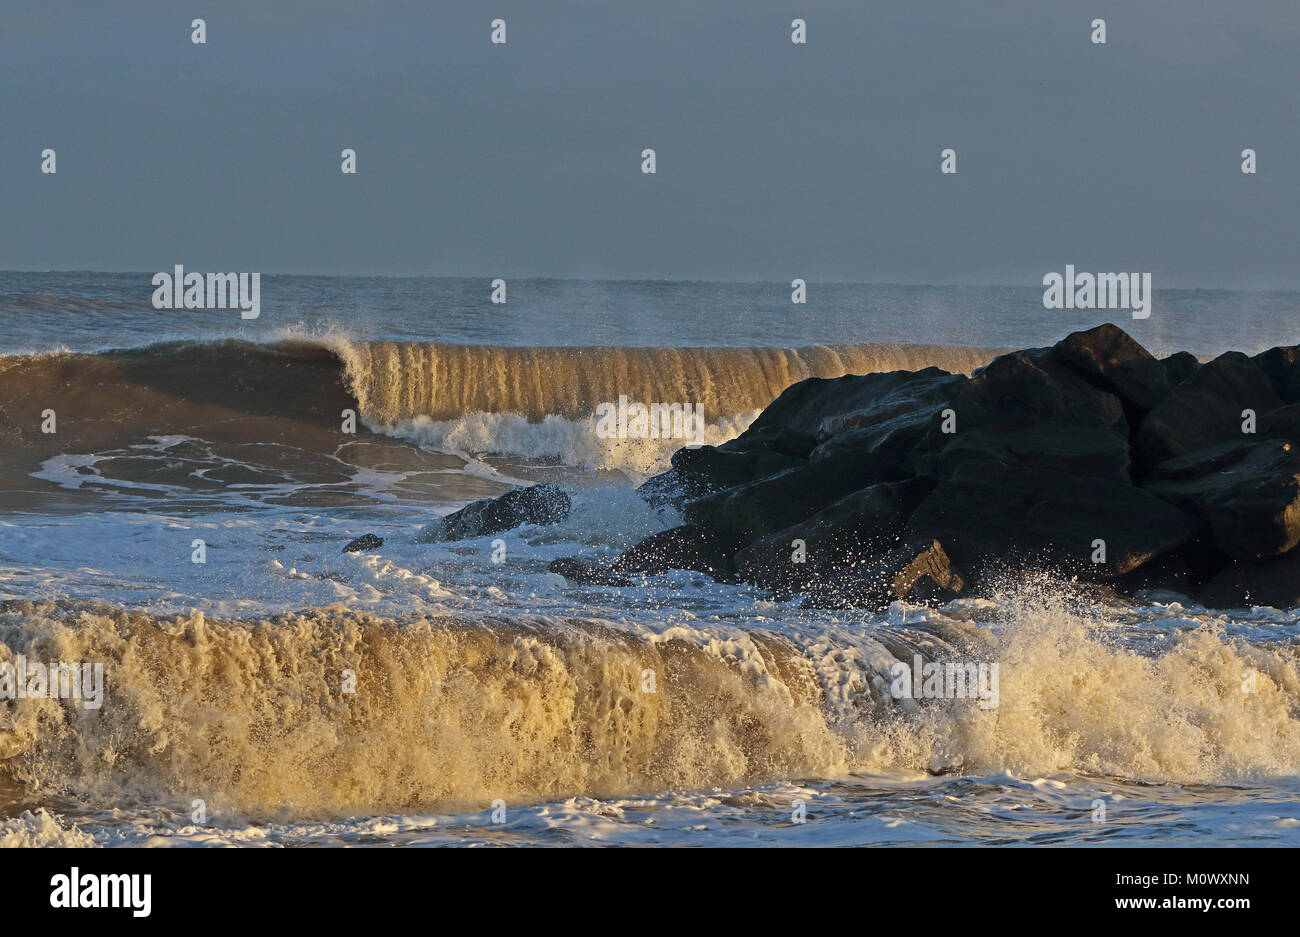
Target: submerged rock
point(364, 542)
point(538, 504)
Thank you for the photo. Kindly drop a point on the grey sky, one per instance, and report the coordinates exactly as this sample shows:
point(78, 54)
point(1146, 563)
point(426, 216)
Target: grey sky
point(774, 160)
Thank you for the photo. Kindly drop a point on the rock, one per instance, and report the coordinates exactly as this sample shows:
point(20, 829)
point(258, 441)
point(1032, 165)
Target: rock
point(990, 514)
point(915, 572)
point(587, 572)
point(714, 468)
point(884, 451)
point(1247, 491)
point(538, 504)
point(1282, 423)
point(1274, 582)
point(364, 542)
point(1092, 451)
point(1108, 359)
point(1180, 367)
point(1026, 407)
point(1204, 410)
point(857, 527)
point(743, 514)
point(683, 547)
point(1282, 368)
point(826, 407)
point(697, 472)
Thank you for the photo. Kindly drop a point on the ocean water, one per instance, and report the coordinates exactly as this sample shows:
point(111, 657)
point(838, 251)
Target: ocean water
point(494, 703)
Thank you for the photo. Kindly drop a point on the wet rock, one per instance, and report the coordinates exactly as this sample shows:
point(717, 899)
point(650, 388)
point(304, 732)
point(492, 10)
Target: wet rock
point(683, 547)
point(855, 528)
point(743, 514)
point(587, 572)
point(825, 407)
point(990, 515)
point(699, 471)
point(538, 504)
point(918, 572)
point(883, 451)
point(1274, 582)
point(1247, 492)
point(364, 542)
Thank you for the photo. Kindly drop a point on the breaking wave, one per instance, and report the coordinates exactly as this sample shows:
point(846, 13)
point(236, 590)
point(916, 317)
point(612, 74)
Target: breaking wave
point(256, 716)
point(525, 401)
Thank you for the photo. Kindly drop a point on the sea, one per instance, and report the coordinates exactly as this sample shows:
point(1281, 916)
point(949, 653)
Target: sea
point(177, 485)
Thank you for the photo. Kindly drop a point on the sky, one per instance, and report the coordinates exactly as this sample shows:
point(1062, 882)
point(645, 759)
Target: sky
point(774, 160)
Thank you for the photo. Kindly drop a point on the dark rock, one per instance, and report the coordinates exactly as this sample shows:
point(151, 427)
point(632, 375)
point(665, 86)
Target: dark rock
point(827, 406)
point(1282, 423)
point(587, 572)
point(538, 504)
point(697, 472)
point(1170, 572)
point(712, 468)
point(779, 439)
point(743, 514)
point(917, 571)
point(1180, 366)
point(364, 542)
point(884, 451)
point(990, 514)
point(855, 528)
point(1026, 407)
point(1107, 358)
point(1282, 367)
point(1248, 493)
point(1274, 582)
point(1205, 409)
point(1092, 451)
point(683, 547)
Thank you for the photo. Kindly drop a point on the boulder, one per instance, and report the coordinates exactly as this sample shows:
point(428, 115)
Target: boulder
point(538, 504)
point(697, 472)
point(1248, 492)
point(1092, 451)
point(364, 542)
point(746, 513)
point(1282, 423)
point(826, 407)
point(856, 527)
point(1108, 359)
point(884, 451)
point(917, 572)
point(1282, 368)
point(990, 514)
point(683, 547)
point(587, 572)
point(1180, 366)
point(1274, 582)
point(1204, 410)
point(1026, 407)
